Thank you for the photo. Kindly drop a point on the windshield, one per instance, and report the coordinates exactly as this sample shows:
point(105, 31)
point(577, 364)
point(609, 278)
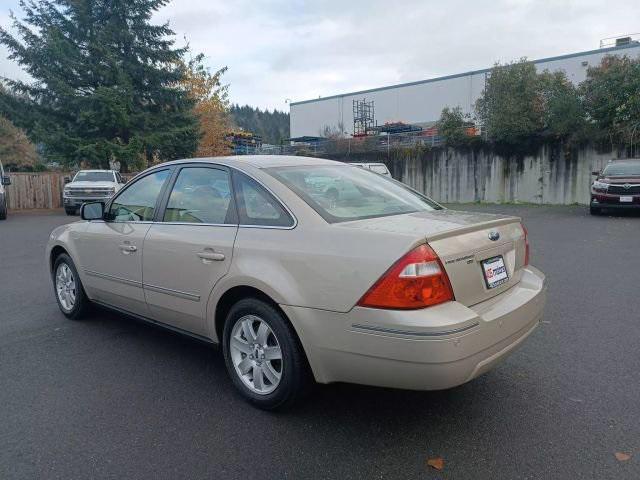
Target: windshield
point(622, 169)
point(93, 177)
point(340, 193)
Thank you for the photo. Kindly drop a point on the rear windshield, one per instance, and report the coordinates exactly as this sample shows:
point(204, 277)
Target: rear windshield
point(340, 193)
point(93, 177)
point(622, 169)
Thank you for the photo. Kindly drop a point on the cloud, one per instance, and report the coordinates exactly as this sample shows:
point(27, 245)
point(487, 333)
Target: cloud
point(278, 50)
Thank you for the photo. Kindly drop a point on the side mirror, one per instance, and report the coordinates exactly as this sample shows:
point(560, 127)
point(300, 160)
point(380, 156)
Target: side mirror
point(6, 181)
point(67, 180)
point(92, 211)
point(595, 173)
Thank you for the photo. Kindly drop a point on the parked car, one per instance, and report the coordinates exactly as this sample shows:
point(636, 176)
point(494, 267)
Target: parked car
point(391, 290)
point(617, 186)
point(4, 182)
point(90, 185)
point(379, 168)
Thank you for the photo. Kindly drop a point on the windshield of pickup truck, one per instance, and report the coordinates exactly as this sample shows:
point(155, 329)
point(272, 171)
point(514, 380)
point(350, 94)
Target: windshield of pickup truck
point(93, 177)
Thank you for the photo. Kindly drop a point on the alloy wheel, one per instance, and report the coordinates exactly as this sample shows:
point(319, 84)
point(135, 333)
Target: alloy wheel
point(256, 354)
point(66, 287)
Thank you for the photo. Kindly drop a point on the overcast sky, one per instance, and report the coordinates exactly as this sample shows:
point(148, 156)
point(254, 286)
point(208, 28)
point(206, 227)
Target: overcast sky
point(279, 50)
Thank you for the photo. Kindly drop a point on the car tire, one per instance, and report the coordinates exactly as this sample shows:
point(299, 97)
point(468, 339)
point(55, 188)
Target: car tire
point(595, 210)
point(3, 210)
point(70, 211)
point(68, 290)
point(284, 381)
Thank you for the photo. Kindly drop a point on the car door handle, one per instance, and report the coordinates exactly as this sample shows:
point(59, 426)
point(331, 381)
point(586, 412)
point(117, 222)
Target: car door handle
point(127, 249)
point(209, 255)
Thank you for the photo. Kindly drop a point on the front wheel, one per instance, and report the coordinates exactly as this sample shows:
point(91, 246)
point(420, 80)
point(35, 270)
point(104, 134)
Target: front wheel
point(263, 355)
point(72, 300)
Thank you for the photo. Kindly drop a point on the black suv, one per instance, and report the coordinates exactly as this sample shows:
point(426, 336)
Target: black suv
point(617, 186)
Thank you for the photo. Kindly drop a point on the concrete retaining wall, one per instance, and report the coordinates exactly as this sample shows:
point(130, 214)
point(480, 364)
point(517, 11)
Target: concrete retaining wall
point(549, 176)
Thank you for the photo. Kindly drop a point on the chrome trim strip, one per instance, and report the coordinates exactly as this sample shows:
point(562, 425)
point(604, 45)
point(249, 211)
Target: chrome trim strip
point(414, 333)
point(175, 293)
point(195, 224)
point(271, 227)
point(126, 281)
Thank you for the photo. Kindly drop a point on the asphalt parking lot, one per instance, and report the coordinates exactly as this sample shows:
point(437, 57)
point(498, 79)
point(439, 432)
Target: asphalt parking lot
point(114, 398)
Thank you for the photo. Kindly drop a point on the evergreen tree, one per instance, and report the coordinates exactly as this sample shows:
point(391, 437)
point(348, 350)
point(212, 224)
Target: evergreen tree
point(273, 127)
point(105, 83)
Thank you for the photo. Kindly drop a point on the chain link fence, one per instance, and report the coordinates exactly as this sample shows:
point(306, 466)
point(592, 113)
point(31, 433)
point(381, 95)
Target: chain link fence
point(378, 143)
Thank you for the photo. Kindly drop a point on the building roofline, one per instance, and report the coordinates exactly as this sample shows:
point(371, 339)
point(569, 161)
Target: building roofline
point(471, 72)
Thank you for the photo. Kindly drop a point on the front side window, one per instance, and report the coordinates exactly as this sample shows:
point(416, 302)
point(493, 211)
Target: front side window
point(93, 177)
point(256, 206)
point(138, 202)
point(340, 193)
point(200, 195)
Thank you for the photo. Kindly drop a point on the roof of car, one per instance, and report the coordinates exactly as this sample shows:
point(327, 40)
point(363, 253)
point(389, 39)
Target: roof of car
point(94, 170)
point(261, 161)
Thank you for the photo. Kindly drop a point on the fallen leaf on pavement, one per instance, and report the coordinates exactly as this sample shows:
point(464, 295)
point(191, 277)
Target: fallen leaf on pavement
point(437, 463)
point(622, 457)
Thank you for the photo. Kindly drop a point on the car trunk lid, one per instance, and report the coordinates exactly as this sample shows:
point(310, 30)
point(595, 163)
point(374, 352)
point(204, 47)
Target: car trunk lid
point(463, 241)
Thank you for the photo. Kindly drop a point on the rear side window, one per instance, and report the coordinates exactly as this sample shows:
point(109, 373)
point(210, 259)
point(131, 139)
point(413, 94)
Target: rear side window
point(200, 195)
point(138, 202)
point(256, 206)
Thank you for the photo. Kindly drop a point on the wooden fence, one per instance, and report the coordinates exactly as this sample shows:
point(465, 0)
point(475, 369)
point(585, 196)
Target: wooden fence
point(35, 190)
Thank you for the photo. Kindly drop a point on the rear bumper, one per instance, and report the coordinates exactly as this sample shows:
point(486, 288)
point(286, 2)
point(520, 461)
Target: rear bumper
point(430, 349)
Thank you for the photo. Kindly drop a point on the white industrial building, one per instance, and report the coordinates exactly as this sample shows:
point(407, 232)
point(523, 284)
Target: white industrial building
point(422, 101)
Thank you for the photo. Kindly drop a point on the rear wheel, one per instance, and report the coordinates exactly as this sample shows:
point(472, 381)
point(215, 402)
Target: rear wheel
point(70, 211)
point(263, 355)
point(3, 210)
point(72, 300)
point(595, 210)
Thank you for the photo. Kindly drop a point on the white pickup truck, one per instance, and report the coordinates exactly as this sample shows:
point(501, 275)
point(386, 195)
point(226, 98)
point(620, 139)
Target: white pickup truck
point(90, 186)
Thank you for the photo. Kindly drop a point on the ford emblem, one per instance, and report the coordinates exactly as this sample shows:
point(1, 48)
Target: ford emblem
point(494, 236)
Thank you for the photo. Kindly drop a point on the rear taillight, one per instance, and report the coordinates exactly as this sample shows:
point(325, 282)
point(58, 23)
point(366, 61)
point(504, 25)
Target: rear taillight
point(526, 245)
point(417, 280)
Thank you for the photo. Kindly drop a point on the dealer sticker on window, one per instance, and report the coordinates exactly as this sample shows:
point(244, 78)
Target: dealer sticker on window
point(495, 271)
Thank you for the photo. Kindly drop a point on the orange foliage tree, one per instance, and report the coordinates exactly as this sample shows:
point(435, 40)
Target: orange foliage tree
point(211, 108)
point(15, 148)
